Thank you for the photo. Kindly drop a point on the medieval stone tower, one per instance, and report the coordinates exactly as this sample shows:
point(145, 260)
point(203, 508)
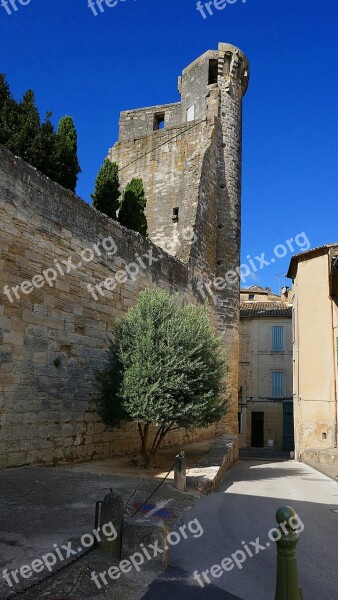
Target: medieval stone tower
point(54, 330)
point(189, 156)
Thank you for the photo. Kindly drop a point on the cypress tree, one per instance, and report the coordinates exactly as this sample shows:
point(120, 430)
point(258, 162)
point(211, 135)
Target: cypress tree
point(43, 148)
point(107, 189)
point(5, 96)
point(134, 201)
point(25, 127)
point(67, 166)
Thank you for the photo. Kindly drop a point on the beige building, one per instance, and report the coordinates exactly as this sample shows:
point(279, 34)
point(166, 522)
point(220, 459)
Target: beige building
point(265, 371)
point(315, 348)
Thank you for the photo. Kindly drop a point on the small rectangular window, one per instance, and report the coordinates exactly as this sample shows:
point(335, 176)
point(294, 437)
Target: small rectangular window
point(175, 215)
point(277, 339)
point(191, 113)
point(213, 71)
point(251, 296)
point(277, 384)
point(159, 121)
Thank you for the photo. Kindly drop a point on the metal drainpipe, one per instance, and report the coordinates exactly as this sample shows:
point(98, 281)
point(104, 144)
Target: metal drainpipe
point(334, 364)
point(334, 379)
point(297, 342)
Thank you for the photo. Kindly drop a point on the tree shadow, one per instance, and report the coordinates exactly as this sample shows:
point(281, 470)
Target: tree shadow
point(176, 583)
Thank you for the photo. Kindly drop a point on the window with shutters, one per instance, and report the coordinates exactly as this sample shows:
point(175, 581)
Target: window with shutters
point(277, 384)
point(277, 338)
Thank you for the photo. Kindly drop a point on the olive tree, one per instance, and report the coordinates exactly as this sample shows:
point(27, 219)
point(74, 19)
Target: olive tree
point(165, 367)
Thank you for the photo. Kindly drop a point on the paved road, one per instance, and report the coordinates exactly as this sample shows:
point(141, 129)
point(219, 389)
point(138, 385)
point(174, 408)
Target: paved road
point(244, 510)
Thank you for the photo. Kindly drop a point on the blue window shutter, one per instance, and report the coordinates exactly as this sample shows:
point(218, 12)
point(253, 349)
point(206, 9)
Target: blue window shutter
point(277, 384)
point(277, 338)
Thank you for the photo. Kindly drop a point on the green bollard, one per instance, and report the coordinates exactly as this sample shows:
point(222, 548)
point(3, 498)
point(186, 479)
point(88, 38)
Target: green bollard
point(287, 586)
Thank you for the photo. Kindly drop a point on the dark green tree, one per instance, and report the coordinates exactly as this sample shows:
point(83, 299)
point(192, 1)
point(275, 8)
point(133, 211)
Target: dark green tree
point(43, 148)
point(5, 93)
point(165, 368)
point(134, 202)
point(66, 163)
point(26, 127)
point(107, 189)
point(54, 154)
point(5, 97)
point(9, 123)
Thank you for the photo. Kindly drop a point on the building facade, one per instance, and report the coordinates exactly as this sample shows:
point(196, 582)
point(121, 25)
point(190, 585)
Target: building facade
point(315, 348)
point(265, 370)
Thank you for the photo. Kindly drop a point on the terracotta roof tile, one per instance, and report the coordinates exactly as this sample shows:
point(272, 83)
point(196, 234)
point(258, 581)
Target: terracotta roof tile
point(265, 309)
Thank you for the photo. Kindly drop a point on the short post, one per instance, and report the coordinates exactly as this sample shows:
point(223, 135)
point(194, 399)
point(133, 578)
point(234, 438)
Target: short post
point(287, 586)
point(180, 472)
point(110, 512)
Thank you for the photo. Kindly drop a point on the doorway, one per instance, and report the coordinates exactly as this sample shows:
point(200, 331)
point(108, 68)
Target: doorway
point(288, 427)
point(257, 430)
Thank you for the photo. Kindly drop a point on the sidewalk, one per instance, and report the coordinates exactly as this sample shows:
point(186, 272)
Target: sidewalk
point(45, 506)
point(329, 470)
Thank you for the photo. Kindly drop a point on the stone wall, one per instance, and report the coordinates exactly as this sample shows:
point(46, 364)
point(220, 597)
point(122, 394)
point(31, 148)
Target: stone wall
point(53, 337)
point(135, 123)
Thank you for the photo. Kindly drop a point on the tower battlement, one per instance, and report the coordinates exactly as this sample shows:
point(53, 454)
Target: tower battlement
point(210, 70)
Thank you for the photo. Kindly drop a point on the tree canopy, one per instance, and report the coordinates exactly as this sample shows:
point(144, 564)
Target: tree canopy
point(21, 131)
point(134, 202)
point(107, 189)
point(165, 367)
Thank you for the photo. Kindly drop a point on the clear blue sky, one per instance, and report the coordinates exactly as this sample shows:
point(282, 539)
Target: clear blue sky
point(131, 55)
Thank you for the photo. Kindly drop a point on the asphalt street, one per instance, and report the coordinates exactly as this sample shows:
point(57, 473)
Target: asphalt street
point(242, 511)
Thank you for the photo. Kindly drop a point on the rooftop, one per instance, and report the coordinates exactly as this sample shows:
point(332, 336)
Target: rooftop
point(265, 309)
point(308, 254)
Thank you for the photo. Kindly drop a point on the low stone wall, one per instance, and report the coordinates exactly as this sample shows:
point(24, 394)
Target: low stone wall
point(323, 457)
point(208, 474)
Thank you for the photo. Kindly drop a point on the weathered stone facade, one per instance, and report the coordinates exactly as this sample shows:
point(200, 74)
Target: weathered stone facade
point(54, 336)
point(191, 171)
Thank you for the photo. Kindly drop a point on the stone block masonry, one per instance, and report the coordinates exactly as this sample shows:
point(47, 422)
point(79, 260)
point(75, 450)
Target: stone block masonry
point(54, 338)
point(55, 335)
point(189, 155)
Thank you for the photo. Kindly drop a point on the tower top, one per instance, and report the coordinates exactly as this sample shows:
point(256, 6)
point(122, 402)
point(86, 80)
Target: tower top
point(228, 62)
point(201, 84)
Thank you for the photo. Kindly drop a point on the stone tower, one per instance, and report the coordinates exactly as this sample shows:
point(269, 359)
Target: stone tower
point(189, 155)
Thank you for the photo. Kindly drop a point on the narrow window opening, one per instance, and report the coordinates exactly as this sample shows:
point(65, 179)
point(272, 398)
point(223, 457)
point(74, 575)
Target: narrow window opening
point(159, 121)
point(175, 215)
point(213, 71)
point(191, 113)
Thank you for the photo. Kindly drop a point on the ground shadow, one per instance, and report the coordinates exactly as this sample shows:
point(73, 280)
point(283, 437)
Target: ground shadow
point(178, 583)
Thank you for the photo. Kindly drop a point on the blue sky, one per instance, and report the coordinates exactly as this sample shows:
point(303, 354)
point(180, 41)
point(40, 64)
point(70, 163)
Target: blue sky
point(131, 55)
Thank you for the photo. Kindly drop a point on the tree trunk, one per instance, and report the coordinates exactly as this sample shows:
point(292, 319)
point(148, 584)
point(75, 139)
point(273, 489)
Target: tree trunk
point(147, 454)
point(144, 445)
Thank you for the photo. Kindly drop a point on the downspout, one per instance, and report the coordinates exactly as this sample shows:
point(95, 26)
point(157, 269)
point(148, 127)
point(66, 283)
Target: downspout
point(334, 362)
point(298, 398)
